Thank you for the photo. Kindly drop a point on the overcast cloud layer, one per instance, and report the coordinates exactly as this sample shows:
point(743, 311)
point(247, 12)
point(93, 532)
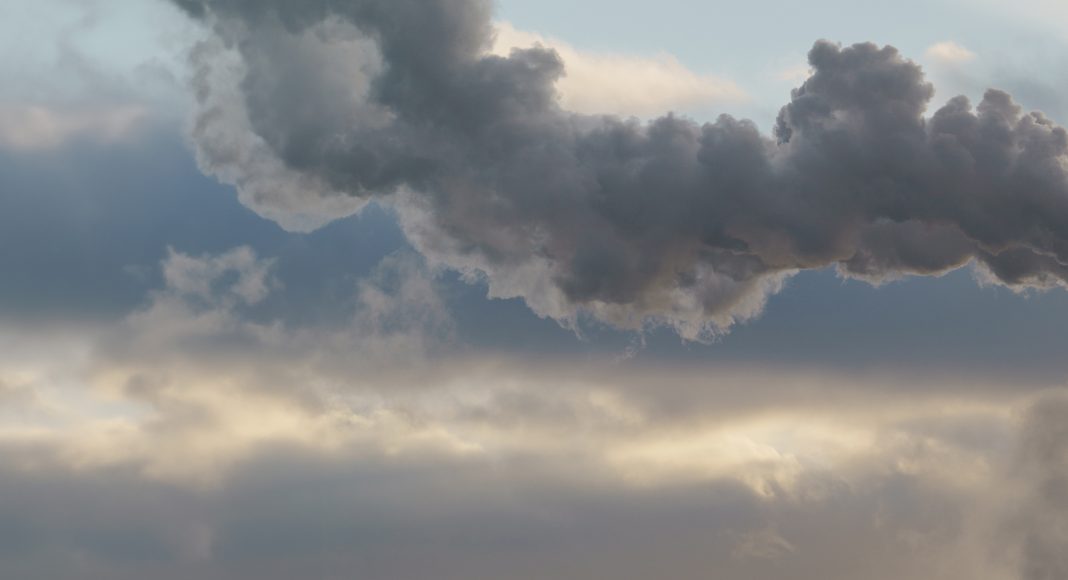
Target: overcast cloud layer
point(196, 437)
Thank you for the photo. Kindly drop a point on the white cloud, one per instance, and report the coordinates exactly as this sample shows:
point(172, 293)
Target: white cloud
point(602, 82)
point(949, 52)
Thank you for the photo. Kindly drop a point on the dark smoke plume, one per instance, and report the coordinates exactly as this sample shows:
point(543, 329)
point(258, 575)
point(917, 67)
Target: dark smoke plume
point(314, 107)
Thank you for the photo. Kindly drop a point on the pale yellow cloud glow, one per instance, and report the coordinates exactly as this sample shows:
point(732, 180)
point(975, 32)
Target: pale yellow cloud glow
point(186, 423)
point(949, 52)
point(190, 394)
point(602, 82)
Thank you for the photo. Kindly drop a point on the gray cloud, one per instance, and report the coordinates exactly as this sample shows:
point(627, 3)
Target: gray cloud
point(904, 506)
point(630, 223)
point(285, 516)
point(1041, 525)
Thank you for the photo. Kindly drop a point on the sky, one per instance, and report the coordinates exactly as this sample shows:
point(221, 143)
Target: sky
point(464, 289)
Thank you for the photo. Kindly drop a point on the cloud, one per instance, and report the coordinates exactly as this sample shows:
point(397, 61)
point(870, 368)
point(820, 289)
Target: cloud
point(69, 77)
point(949, 53)
point(201, 379)
point(628, 223)
point(204, 373)
point(597, 83)
point(230, 149)
point(797, 73)
point(284, 515)
point(1040, 526)
point(193, 277)
point(239, 468)
point(212, 433)
point(202, 435)
point(30, 128)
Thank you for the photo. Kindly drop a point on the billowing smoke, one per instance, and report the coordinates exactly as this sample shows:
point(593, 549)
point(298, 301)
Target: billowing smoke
point(312, 108)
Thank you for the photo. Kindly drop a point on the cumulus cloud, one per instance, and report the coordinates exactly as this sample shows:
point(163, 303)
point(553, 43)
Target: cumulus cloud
point(631, 223)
